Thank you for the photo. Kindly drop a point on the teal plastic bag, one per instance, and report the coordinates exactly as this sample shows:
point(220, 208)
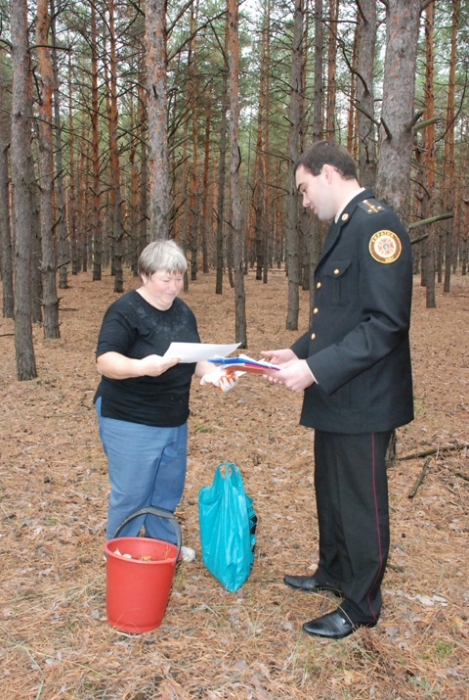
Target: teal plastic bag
point(227, 527)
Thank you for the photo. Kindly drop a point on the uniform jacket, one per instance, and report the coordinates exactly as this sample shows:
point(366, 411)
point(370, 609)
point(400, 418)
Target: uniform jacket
point(358, 345)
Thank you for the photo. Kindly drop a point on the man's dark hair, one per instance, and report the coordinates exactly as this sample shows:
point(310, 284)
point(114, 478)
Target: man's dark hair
point(331, 153)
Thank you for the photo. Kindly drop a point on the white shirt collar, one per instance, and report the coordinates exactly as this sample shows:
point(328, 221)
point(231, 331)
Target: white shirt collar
point(349, 199)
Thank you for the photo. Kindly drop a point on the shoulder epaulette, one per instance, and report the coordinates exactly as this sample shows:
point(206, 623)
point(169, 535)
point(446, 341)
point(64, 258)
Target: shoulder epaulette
point(371, 206)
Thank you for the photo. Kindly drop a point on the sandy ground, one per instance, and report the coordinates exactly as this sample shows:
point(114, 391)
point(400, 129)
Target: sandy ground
point(55, 642)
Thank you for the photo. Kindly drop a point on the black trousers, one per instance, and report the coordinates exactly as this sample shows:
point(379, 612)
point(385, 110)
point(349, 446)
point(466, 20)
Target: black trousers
point(353, 515)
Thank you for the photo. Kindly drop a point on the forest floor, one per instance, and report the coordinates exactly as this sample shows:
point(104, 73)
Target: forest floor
point(55, 642)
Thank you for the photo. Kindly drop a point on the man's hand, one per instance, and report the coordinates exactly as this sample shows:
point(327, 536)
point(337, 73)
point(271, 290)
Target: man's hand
point(295, 375)
point(223, 379)
point(279, 357)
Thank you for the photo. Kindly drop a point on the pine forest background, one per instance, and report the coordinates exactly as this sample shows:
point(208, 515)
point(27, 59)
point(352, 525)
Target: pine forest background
point(122, 122)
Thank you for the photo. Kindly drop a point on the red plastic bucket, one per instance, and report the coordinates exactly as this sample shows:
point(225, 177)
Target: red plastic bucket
point(138, 588)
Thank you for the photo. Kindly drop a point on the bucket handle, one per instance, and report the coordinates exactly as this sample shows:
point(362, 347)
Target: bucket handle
point(153, 510)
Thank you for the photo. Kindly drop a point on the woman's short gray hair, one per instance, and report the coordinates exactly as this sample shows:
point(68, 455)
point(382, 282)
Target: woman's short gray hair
point(161, 255)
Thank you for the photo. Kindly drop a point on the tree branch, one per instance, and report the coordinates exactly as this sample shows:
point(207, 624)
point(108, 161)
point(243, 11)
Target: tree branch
point(194, 33)
point(427, 122)
point(434, 451)
point(425, 4)
point(363, 111)
point(420, 478)
point(178, 17)
point(419, 238)
point(385, 127)
point(410, 125)
point(49, 46)
point(459, 108)
point(430, 220)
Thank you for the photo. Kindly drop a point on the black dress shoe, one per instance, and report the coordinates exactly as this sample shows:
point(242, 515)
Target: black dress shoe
point(309, 583)
point(334, 625)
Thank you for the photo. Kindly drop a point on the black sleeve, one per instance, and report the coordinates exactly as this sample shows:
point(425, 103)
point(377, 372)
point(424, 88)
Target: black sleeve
point(116, 334)
point(301, 345)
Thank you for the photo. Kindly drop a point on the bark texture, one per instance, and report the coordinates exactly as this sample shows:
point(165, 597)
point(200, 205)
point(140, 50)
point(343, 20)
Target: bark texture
point(5, 228)
point(155, 41)
point(294, 115)
point(96, 229)
point(63, 253)
point(366, 41)
point(50, 301)
point(449, 169)
point(235, 164)
point(396, 133)
point(21, 168)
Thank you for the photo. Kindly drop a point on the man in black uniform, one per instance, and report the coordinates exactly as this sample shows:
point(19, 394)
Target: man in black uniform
point(354, 367)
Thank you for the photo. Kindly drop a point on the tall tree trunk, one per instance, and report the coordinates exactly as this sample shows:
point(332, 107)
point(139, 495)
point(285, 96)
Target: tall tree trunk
point(352, 119)
point(397, 117)
point(268, 220)
point(72, 203)
point(294, 116)
point(235, 163)
point(331, 70)
point(155, 42)
point(21, 167)
point(429, 161)
point(465, 239)
point(185, 219)
point(449, 205)
point(5, 228)
point(142, 129)
point(62, 241)
point(277, 217)
point(366, 42)
point(318, 100)
point(315, 226)
point(258, 185)
point(50, 300)
point(133, 213)
point(206, 218)
point(194, 205)
point(116, 199)
point(96, 230)
point(464, 200)
point(304, 214)
point(222, 167)
point(83, 196)
point(36, 253)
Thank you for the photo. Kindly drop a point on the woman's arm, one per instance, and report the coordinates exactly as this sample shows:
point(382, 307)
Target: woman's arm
point(113, 365)
point(204, 367)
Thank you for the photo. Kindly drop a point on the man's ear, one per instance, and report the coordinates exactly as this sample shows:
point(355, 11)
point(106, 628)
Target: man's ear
point(328, 172)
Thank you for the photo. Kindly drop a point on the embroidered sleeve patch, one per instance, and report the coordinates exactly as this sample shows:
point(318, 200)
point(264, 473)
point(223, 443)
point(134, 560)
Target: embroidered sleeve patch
point(385, 246)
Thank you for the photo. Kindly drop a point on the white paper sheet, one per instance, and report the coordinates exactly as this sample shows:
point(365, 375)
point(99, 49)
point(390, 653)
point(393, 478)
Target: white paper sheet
point(194, 352)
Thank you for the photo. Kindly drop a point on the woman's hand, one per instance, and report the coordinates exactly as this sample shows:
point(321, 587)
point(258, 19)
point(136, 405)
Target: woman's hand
point(154, 365)
point(113, 365)
point(223, 379)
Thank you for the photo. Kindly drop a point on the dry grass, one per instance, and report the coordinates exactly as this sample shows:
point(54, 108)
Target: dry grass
point(55, 642)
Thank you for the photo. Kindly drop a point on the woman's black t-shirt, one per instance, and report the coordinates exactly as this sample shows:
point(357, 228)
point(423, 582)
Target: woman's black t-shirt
point(134, 328)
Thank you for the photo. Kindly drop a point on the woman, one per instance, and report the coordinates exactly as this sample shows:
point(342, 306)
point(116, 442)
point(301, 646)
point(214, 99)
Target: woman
point(142, 400)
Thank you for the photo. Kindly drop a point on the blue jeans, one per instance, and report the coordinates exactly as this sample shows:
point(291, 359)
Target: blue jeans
point(146, 466)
